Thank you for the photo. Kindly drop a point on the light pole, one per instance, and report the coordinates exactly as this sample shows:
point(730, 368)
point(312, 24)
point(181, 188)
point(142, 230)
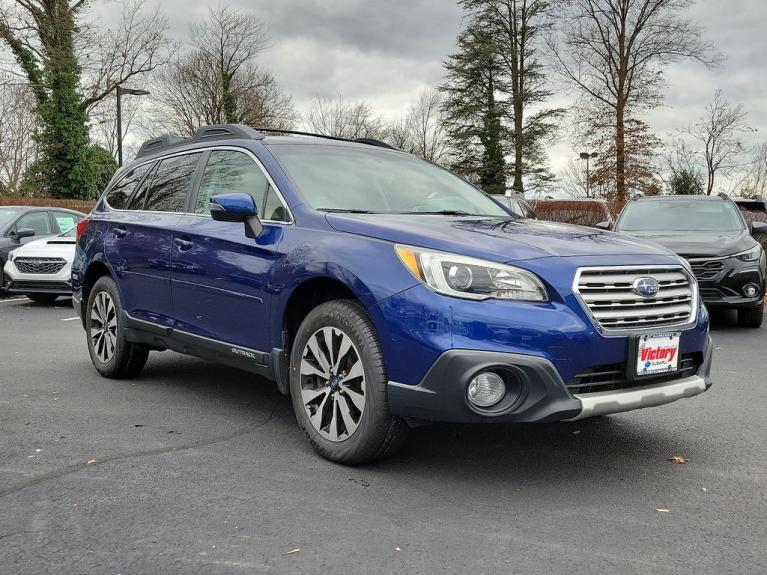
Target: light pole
point(120, 92)
point(586, 156)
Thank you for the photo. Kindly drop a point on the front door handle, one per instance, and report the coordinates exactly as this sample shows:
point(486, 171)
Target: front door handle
point(184, 243)
point(120, 232)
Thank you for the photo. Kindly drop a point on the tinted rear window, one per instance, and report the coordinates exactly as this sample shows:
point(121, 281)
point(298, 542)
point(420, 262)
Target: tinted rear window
point(171, 182)
point(121, 192)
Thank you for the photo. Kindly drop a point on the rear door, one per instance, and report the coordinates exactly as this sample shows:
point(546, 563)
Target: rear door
point(139, 242)
point(221, 277)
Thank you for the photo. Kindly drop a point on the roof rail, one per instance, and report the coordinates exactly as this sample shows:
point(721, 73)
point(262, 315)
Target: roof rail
point(203, 134)
point(368, 141)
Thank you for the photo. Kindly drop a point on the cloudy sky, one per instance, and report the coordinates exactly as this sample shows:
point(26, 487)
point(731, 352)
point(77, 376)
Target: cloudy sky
point(386, 51)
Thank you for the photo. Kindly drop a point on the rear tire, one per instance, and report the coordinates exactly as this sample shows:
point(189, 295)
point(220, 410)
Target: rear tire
point(112, 355)
point(751, 317)
point(340, 398)
point(43, 298)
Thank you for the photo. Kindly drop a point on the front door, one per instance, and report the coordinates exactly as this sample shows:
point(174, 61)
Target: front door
point(220, 277)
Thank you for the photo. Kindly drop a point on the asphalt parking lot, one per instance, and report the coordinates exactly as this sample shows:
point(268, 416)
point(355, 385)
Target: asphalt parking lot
point(196, 468)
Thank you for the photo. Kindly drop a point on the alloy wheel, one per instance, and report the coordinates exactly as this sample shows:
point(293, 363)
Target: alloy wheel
point(332, 384)
point(103, 326)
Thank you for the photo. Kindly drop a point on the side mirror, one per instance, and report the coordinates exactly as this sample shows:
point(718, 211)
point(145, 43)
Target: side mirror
point(759, 228)
point(237, 207)
point(604, 226)
point(24, 233)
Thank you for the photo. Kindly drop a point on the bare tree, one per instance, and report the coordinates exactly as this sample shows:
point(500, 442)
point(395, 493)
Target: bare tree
point(426, 124)
point(339, 118)
point(135, 48)
point(572, 179)
point(720, 134)
point(753, 184)
point(17, 126)
point(614, 52)
point(219, 80)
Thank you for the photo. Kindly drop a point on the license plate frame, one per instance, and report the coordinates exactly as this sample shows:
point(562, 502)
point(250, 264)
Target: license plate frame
point(638, 368)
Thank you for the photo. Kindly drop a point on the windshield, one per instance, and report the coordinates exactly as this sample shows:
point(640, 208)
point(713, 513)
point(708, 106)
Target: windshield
point(681, 216)
point(6, 216)
point(340, 178)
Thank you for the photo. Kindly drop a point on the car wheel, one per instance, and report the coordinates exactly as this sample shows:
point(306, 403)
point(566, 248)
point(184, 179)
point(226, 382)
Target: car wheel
point(751, 317)
point(43, 298)
point(338, 386)
point(112, 355)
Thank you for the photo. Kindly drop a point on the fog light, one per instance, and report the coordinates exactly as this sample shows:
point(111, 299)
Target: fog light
point(750, 290)
point(486, 389)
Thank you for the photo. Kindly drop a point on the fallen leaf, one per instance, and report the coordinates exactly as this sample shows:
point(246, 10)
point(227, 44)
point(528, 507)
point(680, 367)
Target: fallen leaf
point(678, 459)
point(91, 461)
point(703, 489)
point(397, 549)
point(576, 432)
point(292, 551)
point(663, 510)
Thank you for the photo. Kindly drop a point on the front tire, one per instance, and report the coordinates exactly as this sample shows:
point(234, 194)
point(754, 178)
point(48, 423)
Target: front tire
point(751, 317)
point(338, 386)
point(112, 355)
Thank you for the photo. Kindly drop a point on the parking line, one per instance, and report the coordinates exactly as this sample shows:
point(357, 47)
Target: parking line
point(14, 299)
point(70, 318)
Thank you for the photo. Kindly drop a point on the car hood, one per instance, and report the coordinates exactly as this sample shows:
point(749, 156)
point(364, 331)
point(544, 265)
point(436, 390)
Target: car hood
point(700, 244)
point(502, 240)
point(52, 247)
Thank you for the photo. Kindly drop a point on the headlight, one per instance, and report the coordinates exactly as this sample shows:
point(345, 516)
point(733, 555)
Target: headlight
point(751, 255)
point(471, 278)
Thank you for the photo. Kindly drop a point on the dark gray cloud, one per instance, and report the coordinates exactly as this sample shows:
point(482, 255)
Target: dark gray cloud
point(385, 51)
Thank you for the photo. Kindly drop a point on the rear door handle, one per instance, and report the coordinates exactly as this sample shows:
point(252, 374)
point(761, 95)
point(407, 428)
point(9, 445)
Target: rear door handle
point(184, 243)
point(120, 232)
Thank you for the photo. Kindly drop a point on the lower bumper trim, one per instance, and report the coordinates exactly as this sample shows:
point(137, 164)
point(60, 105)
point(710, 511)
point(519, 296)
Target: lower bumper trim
point(606, 402)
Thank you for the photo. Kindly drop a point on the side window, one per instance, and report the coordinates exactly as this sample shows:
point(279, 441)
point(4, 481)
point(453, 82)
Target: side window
point(229, 171)
point(139, 197)
point(171, 182)
point(273, 208)
point(121, 192)
point(64, 221)
point(38, 221)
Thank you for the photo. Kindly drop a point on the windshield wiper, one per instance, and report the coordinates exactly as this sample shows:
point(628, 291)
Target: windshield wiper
point(345, 211)
point(440, 213)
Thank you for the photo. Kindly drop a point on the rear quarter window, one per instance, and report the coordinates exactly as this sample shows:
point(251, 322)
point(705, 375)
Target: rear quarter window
point(121, 192)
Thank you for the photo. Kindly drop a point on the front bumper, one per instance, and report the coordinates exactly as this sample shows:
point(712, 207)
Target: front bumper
point(721, 281)
point(543, 395)
point(17, 282)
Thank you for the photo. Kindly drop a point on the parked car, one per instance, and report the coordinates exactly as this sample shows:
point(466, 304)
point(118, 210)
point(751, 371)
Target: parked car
point(753, 210)
point(710, 233)
point(22, 224)
point(42, 269)
point(519, 205)
point(377, 289)
point(582, 212)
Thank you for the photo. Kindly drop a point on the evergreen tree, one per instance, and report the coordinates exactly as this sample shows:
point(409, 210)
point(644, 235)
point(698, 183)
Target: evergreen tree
point(517, 28)
point(473, 113)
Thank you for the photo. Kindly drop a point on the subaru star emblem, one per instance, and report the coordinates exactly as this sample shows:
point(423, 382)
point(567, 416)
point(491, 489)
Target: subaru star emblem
point(646, 287)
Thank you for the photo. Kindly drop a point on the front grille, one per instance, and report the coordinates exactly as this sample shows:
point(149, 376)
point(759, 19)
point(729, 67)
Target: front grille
point(706, 269)
point(615, 376)
point(39, 265)
point(609, 297)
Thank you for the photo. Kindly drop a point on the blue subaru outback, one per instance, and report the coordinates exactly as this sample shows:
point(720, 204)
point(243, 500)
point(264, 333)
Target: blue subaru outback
point(377, 290)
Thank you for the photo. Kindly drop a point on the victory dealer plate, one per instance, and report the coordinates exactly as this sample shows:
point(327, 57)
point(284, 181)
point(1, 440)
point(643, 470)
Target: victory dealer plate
point(657, 353)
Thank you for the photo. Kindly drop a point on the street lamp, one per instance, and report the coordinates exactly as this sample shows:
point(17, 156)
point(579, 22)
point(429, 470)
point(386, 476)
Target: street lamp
point(586, 156)
point(120, 92)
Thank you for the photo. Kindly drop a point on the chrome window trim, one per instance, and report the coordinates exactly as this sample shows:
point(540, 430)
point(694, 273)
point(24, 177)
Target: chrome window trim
point(202, 150)
point(622, 332)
